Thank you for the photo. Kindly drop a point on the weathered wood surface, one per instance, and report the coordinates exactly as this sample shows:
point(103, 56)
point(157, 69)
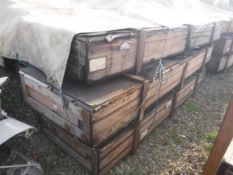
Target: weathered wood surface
point(112, 48)
point(97, 57)
point(222, 142)
point(164, 43)
point(200, 35)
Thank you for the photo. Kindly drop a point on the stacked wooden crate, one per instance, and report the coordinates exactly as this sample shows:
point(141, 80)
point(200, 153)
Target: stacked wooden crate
point(97, 56)
point(98, 123)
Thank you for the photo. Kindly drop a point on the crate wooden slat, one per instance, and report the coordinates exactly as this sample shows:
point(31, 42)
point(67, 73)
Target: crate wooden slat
point(98, 56)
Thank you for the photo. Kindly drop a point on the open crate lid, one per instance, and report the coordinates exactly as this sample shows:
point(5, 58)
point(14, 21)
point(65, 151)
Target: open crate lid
point(93, 96)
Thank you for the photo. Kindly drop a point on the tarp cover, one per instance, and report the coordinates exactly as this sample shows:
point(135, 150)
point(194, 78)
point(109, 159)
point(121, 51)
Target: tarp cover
point(10, 127)
point(40, 32)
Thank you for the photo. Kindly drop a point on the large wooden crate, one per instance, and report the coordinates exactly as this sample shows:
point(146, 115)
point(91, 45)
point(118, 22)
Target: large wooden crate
point(92, 114)
point(161, 43)
point(98, 56)
point(100, 159)
point(200, 35)
point(180, 68)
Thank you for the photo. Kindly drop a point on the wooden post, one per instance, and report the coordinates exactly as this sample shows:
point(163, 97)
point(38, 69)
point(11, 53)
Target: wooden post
point(228, 56)
point(222, 142)
point(140, 51)
point(173, 109)
point(140, 115)
point(95, 162)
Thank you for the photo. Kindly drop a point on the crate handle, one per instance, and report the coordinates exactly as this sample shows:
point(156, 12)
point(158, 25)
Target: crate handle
point(112, 37)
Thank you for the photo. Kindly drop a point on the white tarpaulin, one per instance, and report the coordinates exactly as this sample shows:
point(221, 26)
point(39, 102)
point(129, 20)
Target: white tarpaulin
point(40, 32)
point(10, 127)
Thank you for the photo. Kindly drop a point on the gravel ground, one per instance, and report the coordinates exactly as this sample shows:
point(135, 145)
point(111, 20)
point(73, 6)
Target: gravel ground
point(179, 146)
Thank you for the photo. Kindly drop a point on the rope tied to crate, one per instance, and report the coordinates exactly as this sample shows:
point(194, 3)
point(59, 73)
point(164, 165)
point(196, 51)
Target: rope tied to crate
point(161, 72)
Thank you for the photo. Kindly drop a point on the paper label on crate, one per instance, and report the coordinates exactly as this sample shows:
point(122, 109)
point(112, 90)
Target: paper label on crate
point(97, 64)
point(125, 46)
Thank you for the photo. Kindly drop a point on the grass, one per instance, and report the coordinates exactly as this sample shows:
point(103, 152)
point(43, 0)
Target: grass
point(210, 136)
point(209, 139)
point(191, 106)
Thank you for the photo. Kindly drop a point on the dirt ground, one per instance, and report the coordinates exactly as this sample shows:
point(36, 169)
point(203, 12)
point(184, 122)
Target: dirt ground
point(180, 145)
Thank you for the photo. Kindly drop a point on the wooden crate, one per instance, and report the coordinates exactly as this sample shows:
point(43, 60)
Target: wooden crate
point(156, 44)
point(100, 159)
point(223, 46)
point(92, 114)
point(200, 35)
point(178, 69)
point(98, 56)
